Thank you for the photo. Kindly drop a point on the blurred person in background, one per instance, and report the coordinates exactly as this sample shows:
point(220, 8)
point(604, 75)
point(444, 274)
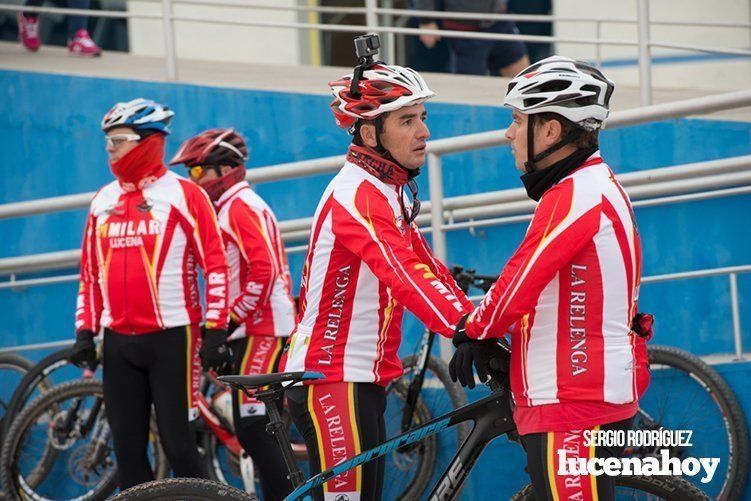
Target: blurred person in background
point(537, 51)
point(262, 311)
point(146, 233)
point(79, 40)
point(472, 56)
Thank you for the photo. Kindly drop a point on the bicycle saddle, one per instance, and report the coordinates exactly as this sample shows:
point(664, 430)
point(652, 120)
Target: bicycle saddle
point(257, 381)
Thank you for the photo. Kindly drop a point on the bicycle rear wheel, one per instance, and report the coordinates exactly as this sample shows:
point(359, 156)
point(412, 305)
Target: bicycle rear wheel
point(37, 379)
point(184, 489)
point(13, 368)
point(59, 446)
point(408, 469)
point(637, 487)
point(688, 394)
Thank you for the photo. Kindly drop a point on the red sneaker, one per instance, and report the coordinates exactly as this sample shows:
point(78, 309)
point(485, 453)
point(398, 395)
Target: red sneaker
point(28, 31)
point(83, 45)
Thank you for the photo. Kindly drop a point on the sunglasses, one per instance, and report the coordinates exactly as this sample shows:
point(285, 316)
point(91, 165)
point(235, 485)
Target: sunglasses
point(116, 140)
point(196, 172)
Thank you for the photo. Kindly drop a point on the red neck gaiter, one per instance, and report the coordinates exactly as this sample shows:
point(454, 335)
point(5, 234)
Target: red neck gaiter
point(142, 165)
point(385, 170)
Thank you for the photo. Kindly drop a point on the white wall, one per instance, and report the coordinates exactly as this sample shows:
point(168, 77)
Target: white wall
point(660, 10)
point(216, 42)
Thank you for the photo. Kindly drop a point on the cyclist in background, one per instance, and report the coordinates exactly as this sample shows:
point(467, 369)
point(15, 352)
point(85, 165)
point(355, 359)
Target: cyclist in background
point(366, 262)
point(262, 311)
point(145, 234)
point(571, 288)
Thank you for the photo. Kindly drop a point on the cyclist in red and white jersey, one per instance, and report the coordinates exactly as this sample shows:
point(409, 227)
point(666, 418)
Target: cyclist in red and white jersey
point(262, 311)
point(146, 234)
point(366, 262)
point(570, 290)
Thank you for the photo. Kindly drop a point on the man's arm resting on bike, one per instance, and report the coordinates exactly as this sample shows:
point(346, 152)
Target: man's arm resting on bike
point(367, 228)
point(421, 248)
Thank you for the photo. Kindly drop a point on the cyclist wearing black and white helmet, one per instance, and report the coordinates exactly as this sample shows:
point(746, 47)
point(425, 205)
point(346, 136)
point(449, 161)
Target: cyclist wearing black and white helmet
point(569, 292)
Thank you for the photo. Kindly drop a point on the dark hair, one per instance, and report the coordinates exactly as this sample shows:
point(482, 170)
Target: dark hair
point(378, 122)
point(586, 138)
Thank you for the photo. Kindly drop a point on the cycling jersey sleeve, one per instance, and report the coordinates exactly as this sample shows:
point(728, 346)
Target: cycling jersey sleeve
point(559, 229)
point(421, 248)
point(207, 241)
point(254, 242)
point(89, 301)
point(366, 226)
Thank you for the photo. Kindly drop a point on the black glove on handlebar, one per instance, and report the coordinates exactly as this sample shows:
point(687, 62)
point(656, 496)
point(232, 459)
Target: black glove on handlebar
point(83, 353)
point(488, 356)
point(215, 353)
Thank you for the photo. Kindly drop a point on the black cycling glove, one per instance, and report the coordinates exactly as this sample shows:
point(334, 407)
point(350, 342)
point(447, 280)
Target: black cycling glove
point(215, 353)
point(470, 352)
point(83, 353)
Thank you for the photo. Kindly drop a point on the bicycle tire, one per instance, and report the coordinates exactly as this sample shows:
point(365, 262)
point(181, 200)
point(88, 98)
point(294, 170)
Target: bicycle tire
point(35, 376)
point(732, 412)
point(427, 449)
point(40, 405)
point(665, 487)
point(184, 489)
point(19, 364)
point(456, 393)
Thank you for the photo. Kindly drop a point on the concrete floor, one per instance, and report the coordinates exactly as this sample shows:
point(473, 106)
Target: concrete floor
point(672, 82)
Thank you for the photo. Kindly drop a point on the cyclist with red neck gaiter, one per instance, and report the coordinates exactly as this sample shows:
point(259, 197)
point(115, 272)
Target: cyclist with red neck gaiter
point(366, 262)
point(262, 311)
point(146, 234)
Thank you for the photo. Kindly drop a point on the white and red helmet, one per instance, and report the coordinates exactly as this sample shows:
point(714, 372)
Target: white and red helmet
point(382, 88)
point(573, 89)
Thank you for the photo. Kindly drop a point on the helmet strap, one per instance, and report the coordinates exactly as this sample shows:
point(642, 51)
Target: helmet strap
point(531, 164)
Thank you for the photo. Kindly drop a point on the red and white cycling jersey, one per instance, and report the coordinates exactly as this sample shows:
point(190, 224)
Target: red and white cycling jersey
point(571, 289)
point(139, 258)
point(260, 284)
point(364, 265)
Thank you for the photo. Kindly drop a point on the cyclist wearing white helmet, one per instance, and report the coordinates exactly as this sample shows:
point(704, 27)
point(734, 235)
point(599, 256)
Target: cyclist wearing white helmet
point(366, 262)
point(569, 293)
point(145, 234)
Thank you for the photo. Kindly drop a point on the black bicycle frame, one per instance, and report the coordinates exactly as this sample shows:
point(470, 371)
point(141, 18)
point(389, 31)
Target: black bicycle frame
point(415, 386)
point(492, 416)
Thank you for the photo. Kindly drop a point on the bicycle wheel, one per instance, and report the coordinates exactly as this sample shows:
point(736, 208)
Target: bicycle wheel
point(439, 393)
point(59, 446)
point(408, 469)
point(688, 394)
point(637, 487)
point(184, 489)
point(37, 380)
point(13, 368)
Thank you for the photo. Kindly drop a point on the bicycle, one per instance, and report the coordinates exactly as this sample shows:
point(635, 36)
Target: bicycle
point(492, 416)
point(698, 392)
point(63, 435)
point(39, 379)
point(12, 368)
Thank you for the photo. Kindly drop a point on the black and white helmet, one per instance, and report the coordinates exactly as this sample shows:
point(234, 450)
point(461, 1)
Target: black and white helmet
point(573, 89)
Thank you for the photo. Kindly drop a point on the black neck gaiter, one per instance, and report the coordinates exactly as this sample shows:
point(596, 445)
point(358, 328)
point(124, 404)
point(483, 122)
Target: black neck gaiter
point(538, 182)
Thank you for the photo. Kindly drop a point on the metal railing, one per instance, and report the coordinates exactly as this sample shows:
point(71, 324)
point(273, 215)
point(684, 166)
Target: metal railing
point(696, 181)
point(372, 13)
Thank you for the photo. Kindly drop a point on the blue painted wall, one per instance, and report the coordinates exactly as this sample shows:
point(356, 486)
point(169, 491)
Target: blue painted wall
point(52, 145)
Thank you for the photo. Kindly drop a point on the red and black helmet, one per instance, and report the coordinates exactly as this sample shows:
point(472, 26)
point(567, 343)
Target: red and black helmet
point(213, 147)
point(382, 88)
